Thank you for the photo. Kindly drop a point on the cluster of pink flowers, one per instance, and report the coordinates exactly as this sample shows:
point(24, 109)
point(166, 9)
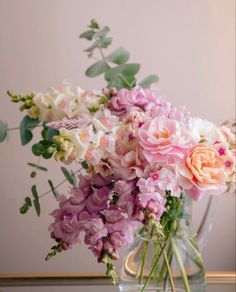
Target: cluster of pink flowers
point(138, 148)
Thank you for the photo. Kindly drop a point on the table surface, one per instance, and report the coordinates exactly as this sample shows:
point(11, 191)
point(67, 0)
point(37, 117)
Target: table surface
point(216, 282)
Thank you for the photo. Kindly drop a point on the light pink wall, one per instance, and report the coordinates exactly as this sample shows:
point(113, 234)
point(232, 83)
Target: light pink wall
point(190, 44)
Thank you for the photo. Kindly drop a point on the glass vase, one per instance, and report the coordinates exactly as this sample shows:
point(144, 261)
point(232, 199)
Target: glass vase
point(172, 265)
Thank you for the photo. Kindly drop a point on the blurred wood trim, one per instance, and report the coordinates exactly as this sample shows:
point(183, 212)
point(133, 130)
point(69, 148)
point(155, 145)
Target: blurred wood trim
point(89, 279)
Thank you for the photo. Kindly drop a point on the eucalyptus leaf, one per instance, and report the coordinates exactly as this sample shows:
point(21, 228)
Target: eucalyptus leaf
point(94, 24)
point(28, 201)
point(96, 69)
point(36, 200)
point(119, 56)
point(48, 133)
point(67, 175)
point(3, 131)
point(26, 126)
point(101, 43)
point(84, 164)
point(124, 69)
point(102, 32)
point(38, 149)
point(37, 166)
point(54, 191)
point(149, 80)
point(122, 82)
point(24, 208)
point(88, 35)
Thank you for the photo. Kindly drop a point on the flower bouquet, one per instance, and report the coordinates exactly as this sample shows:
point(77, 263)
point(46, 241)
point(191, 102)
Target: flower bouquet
point(140, 161)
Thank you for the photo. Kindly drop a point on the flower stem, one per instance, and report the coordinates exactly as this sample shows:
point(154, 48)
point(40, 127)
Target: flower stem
point(153, 269)
point(144, 256)
point(181, 266)
point(168, 270)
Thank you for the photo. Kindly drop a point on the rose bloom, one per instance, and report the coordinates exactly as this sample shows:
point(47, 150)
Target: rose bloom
point(202, 172)
point(163, 139)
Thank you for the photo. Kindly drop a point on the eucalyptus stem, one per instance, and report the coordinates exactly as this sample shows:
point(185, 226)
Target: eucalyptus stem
point(181, 266)
point(18, 128)
point(120, 76)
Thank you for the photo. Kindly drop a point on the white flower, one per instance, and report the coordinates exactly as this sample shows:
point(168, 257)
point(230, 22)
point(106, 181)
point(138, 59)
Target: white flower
point(203, 130)
point(103, 120)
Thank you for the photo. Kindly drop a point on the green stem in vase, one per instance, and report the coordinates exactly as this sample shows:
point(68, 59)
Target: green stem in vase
point(197, 259)
point(153, 269)
point(181, 266)
point(172, 285)
point(170, 257)
point(144, 256)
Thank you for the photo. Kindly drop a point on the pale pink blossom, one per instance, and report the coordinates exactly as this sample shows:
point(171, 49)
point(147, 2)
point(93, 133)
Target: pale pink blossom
point(163, 140)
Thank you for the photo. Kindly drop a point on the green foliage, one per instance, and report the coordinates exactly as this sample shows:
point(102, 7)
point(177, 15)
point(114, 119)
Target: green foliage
point(88, 35)
point(25, 207)
point(26, 126)
point(54, 250)
point(119, 56)
point(121, 76)
point(94, 24)
point(84, 164)
point(44, 148)
point(33, 174)
point(29, 202)
point(54, 191)
point(48, 133)
point(36, 200)
point(39, 167)
point(3, 131)
point(69, 176)
point(97, 69)
point(149, 80)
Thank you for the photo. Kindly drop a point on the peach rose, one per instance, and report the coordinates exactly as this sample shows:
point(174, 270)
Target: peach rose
point(202, 172)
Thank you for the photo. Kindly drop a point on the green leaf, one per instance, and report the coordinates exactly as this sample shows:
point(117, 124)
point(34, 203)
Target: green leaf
point(119, 56)
point(26, 125)
point(104, 43)
point(48, 133)
point(37, 166)
point(73, 177)
point(102, 32)
point(94, 24)
point(124, 69)
point(47, 155)
point(3, 131)
point(88, 35)
point(149, 80)
point(101, 43)
point(122, 83)
point(84, 164)
point(34, 192)
point(24, 208)
point(33, 174)
point(96, 69)
point(38, 149)
point(54, 191)
point(36, 200)
point(67, 175)
point(28, 201)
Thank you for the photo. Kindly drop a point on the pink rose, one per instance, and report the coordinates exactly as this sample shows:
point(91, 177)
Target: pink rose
point(202, 172)
point(163, 140)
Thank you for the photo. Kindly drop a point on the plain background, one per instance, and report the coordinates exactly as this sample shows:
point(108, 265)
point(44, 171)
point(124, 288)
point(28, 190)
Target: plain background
point(189, 44)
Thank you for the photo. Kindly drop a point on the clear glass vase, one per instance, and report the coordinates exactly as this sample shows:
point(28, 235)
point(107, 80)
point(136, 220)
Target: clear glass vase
point(172, 265)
